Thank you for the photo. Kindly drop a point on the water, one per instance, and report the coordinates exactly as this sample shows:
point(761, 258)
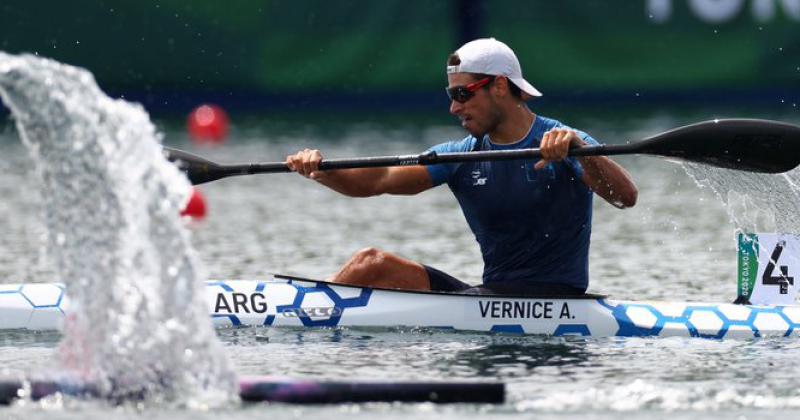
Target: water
point(678, 243)
point(755, 202)
point(115, 239)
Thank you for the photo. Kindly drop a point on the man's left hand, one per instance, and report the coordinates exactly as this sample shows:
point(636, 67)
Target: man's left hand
point(555, 145)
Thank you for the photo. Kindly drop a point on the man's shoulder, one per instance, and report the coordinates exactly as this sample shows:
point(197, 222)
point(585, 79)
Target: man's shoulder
point(550, 123)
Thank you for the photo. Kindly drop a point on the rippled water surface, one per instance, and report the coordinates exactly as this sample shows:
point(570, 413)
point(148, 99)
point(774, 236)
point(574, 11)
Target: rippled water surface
point(676, 244)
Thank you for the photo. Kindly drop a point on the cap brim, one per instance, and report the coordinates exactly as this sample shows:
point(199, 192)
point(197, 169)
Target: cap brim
point(526, 87)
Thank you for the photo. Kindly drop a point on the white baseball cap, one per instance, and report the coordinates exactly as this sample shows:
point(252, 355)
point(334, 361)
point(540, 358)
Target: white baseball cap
point(492, 57)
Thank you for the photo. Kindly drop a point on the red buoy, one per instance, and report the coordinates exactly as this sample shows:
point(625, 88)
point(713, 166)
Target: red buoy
point(208, 125)
point(196, 207)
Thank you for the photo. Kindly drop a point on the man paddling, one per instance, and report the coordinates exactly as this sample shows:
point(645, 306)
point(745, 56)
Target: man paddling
point(532, 219)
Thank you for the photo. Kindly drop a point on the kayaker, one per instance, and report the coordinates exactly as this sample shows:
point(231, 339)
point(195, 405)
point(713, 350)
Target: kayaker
point(532, 219)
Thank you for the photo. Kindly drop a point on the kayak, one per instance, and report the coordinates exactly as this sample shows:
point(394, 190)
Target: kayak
point(288, 301)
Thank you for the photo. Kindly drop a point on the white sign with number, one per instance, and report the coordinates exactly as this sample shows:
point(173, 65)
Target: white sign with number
point(778, 269)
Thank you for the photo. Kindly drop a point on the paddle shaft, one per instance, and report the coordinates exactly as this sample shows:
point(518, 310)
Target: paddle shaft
point(199, 174)
point(740, 144)
point(428, 158)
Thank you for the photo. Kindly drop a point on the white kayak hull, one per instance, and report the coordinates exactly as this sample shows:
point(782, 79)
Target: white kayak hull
point(291, 302)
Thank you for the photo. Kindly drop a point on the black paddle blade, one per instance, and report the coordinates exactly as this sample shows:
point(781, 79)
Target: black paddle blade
point(743, 144)
point(197, 169)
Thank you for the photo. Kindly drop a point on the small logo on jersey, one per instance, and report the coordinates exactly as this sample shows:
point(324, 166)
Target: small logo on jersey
point(476, 178)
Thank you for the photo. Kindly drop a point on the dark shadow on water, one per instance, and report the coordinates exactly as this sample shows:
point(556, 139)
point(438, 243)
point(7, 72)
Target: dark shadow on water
point(517, 357)
point(480, 355)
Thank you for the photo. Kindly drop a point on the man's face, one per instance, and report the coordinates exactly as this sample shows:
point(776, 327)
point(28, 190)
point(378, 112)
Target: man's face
point(479, 115)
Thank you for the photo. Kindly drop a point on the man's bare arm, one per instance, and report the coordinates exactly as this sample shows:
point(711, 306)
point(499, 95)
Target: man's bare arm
point(362, 182)
point(601, 174)
point(609, 180)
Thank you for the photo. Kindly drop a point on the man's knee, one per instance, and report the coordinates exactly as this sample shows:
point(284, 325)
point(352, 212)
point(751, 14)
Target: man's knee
point(369, 257)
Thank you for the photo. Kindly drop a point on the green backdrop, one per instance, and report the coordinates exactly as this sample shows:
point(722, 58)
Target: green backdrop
point(280, 48)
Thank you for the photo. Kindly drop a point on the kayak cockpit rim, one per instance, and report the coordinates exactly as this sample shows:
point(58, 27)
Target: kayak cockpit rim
point(588, 296)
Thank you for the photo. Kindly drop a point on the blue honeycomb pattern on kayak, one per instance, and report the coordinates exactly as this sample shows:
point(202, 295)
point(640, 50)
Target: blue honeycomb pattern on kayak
point(572, 329)
point(55, 302)
point(339, 303)
point(561, 330)
point(508, 328)
point(627, 327)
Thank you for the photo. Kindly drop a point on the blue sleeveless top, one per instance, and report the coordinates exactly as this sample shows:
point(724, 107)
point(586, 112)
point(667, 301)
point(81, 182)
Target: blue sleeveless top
point(532, 226)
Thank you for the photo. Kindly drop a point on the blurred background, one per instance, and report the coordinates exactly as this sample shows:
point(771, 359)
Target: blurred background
point(361, 78)
point(381, 57)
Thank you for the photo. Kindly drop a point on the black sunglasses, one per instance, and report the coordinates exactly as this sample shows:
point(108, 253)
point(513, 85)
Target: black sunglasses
point(462, 94)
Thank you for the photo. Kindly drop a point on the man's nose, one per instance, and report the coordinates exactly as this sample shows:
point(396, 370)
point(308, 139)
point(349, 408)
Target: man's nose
point(455, 107)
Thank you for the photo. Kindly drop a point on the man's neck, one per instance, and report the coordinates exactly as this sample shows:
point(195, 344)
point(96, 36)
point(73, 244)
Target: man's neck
point(515, 126)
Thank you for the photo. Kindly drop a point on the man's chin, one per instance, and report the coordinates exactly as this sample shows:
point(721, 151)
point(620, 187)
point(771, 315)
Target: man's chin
point(475, 132)
point(476, 129)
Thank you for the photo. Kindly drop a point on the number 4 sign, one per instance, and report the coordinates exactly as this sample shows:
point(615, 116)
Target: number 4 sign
point(768, 263)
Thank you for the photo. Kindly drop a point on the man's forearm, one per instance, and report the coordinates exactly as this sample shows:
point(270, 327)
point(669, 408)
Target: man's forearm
point(609, 180)
point(360, 182)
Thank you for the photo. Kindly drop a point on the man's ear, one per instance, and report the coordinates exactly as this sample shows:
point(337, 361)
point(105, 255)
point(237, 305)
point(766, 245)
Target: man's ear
point(501, 86)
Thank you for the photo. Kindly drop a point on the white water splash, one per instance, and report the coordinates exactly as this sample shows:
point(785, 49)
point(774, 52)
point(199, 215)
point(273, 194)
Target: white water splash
point(112, 211)
point(755, 202)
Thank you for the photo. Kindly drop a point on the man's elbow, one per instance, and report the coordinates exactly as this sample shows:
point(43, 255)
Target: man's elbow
point(622, 198)
point(629, 198)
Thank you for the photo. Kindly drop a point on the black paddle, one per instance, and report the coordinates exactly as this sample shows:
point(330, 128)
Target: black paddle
point(742, 144)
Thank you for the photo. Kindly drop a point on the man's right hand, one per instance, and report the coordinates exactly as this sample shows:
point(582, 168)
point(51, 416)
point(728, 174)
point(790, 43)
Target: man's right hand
point(306, 163)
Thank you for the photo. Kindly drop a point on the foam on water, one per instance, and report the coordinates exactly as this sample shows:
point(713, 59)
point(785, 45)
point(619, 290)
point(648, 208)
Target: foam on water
point(115, 236)
point(756, 202)
point(640, 394)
